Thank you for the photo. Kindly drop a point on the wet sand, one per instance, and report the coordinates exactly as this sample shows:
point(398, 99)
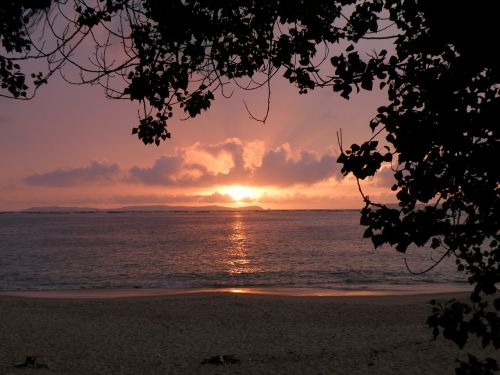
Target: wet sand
point(268, 334)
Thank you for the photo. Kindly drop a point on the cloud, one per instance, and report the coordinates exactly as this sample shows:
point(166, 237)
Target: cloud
point(94, 173)
point(280, 169)
point(196, 166)
point(148, 199)
point(170, 199)
point(233, 162)
point(162, 172)
point(230, 153)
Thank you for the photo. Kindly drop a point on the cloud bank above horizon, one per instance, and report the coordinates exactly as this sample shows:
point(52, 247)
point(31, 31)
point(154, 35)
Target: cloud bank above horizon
point(201, 173)
point(227, 163)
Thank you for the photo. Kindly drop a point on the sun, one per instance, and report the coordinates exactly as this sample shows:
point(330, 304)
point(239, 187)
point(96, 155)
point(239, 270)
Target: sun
point(239, 193)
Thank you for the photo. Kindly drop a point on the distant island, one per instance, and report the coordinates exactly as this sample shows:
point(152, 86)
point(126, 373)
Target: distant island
point(153, 208)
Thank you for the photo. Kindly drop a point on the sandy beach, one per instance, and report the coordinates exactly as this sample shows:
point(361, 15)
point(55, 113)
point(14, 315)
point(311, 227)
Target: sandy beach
point(268, 334)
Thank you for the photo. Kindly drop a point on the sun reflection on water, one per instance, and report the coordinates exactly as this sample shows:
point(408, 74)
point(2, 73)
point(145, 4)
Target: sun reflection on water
point(238, 261)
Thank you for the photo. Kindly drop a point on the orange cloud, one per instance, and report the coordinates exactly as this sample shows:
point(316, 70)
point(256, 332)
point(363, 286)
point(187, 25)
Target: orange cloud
point(272, 167)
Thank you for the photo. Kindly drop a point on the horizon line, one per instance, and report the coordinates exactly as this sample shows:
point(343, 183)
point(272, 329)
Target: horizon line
point(161, 208)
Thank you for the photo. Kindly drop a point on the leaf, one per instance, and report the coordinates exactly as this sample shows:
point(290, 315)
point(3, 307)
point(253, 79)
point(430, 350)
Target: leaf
point(367, 84)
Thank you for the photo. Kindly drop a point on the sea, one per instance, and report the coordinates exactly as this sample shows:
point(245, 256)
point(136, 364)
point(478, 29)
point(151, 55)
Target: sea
point(307, 250)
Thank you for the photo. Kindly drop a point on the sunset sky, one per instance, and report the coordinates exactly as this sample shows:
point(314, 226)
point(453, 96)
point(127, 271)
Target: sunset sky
point(72, 147)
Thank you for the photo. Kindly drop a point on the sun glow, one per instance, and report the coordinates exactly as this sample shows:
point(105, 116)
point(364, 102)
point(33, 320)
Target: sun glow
point(239, 193)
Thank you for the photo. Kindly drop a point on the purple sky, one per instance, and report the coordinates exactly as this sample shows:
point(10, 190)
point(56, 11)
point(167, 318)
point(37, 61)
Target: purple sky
point(71, 146)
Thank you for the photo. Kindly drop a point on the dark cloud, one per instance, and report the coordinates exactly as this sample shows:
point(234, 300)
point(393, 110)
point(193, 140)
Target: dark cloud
point(95, 173)
point(280, 170)
point(162, 172)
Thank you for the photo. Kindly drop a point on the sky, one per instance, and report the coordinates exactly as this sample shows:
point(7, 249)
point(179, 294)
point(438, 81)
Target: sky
point(70, 146)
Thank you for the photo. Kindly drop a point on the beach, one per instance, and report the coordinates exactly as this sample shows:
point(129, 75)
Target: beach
point(264, 334)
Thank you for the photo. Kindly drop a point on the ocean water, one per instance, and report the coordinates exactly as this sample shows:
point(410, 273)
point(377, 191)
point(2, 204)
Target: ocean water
point(280, 249)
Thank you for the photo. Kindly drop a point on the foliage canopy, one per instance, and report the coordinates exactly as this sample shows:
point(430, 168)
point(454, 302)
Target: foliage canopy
point(440, 130)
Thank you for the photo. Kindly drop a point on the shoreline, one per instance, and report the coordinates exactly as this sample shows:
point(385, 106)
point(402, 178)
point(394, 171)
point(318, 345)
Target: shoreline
point(269, 291)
